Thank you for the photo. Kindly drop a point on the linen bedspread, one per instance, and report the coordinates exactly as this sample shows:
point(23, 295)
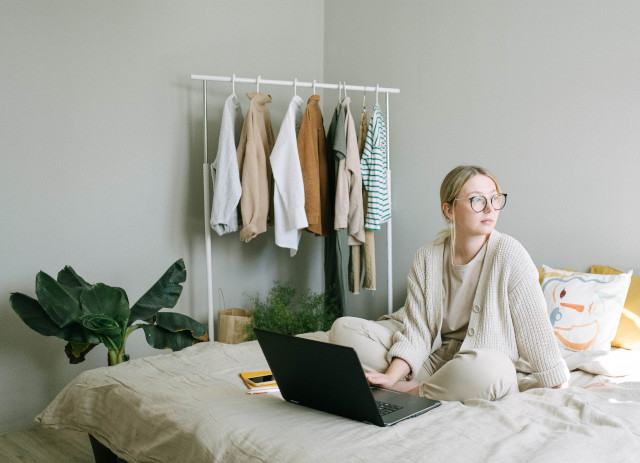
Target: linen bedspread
point(191, 406)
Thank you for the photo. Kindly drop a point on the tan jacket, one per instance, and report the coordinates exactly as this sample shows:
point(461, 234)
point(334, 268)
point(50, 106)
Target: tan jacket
point(256, 142)
point(312, 149)
point(349, 208)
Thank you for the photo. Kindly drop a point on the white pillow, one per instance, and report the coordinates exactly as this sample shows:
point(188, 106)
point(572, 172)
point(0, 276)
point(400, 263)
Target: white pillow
point(584, 308)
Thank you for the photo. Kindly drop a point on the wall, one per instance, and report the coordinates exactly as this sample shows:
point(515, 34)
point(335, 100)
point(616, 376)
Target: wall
point(544, 94)
point(101, 143)
point(101, 158)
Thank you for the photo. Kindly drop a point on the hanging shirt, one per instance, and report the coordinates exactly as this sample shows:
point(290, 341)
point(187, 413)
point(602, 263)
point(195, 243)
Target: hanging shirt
point(256, 143)
point(349, 210)
point(227, 188)
point(288, 186)
point(374, 172)
point(312, 149)
point(333, 269)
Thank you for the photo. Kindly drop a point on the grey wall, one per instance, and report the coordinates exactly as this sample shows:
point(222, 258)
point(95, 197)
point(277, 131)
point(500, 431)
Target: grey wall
point(101, 140)
point(544, 94)
point(101, 158)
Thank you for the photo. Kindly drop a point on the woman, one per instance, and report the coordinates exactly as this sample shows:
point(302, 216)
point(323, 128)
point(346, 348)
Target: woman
point(474, 309)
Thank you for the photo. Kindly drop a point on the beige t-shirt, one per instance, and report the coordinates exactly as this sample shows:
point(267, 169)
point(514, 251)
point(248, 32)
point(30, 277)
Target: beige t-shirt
point(459, 284)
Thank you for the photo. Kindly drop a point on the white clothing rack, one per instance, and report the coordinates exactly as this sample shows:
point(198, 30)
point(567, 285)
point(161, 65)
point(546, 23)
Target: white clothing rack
point(205, 167)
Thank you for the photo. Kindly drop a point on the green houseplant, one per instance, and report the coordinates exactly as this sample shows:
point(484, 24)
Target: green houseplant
point(85, 314)
point(284, 312)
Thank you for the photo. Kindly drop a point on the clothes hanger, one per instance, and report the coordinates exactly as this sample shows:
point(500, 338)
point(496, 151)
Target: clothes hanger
point(364, 100)
point(233, 86)
point(314, 86)
point(295, 87)
point(339, 91)
point(258, 84)
point(377, 89)
point(345, 88)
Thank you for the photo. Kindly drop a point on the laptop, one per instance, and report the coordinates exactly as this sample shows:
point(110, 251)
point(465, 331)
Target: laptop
point(330, 378)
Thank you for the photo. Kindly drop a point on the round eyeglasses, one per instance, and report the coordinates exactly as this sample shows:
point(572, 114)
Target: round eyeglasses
point(479, 203)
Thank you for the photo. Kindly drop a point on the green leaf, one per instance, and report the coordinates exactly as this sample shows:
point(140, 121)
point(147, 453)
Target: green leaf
point(59, 303)
point(178, 322)
point(101, 299)
point(33, 314)
point(163, 294)
point(69, 278)
point(36, 318)
point(160, 338)
point(102, 325)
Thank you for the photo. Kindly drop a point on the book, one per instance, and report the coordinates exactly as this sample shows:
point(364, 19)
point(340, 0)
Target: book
point(259, 382)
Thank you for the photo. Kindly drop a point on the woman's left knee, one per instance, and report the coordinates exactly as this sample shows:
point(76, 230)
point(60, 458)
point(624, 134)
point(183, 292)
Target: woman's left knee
point(493, 372)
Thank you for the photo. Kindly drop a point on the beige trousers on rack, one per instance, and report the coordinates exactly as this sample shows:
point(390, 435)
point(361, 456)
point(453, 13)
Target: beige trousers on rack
point(448, 374)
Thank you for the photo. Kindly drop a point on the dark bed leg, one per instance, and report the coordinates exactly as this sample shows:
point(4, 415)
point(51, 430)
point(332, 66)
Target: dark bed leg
point(102, 454)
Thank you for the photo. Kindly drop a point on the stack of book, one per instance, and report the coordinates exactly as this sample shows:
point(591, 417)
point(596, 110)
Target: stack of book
point(259, 382)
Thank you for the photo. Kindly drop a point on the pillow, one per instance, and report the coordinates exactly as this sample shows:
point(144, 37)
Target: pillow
point(628, 334)
point(541, 273)
point(584, 308)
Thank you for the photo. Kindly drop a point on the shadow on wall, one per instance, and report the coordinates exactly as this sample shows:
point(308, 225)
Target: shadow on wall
point(36, 360)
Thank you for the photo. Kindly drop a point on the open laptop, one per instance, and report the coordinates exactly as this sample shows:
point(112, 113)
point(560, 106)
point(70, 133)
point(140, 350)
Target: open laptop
point(330, 378)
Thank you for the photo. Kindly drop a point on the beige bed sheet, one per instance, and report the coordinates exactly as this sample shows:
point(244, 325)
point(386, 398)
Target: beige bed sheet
point(191, 406)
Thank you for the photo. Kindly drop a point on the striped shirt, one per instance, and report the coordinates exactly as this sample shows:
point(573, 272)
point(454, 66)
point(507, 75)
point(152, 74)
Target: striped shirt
point(374, 172)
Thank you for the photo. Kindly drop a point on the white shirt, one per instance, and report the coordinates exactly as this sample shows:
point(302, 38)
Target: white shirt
point(374, 173)
point(227, 188)
point(288, 187)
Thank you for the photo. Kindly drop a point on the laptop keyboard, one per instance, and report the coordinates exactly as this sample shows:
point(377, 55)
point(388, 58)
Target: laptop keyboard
point(386, 408)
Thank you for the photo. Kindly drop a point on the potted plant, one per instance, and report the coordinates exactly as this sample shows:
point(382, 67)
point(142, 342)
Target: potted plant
point(85, 314)
point(281, 311)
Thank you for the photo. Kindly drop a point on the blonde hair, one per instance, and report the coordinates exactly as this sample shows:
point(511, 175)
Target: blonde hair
point(449, 190)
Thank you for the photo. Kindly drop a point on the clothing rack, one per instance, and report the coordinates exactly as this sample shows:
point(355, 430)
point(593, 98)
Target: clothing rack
point(205, 167)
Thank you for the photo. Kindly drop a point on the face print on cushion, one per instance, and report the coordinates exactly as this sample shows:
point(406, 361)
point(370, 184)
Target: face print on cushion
point(575, 316)
point(584, 308)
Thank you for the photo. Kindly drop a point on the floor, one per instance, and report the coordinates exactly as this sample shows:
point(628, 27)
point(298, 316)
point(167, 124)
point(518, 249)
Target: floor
point(40, 445)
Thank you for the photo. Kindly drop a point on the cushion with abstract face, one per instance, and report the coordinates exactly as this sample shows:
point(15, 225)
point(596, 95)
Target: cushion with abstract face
point(584, 308)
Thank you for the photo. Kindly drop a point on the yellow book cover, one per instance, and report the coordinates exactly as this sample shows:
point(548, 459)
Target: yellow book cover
point(259, 381)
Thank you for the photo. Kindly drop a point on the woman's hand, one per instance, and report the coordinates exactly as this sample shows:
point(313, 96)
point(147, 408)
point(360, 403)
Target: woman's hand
point(393, 378)
point(381, 380)
point(387, 382)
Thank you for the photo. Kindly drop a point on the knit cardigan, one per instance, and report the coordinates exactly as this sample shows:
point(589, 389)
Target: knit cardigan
point(509, 311)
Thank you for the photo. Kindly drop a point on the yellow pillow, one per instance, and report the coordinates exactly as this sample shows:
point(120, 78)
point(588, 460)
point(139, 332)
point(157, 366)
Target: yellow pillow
point(628, 334)
point(541, 273)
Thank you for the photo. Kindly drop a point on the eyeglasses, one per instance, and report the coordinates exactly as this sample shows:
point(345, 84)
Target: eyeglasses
point(479, 203)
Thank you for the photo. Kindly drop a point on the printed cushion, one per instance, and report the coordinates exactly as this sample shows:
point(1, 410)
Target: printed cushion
point(584, 308)
point(628, 334)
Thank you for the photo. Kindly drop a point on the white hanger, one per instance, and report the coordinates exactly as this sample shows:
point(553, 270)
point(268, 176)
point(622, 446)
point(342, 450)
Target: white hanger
point(345, 88)
point(314, 86)
point(377, 89)
point(295, 87)
point(339, 91)
point(233, 84)
point(258, 84)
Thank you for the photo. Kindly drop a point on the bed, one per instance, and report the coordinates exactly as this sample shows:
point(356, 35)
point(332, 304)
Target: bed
point(192, 406)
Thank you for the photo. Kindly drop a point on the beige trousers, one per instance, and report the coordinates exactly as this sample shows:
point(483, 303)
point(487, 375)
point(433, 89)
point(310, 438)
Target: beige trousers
point(448, 373)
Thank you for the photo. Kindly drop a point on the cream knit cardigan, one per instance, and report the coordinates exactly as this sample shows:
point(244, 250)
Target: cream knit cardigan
point(509, 311)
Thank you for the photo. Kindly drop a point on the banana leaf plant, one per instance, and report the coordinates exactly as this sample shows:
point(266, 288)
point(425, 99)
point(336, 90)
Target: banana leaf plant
point(85, 314)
